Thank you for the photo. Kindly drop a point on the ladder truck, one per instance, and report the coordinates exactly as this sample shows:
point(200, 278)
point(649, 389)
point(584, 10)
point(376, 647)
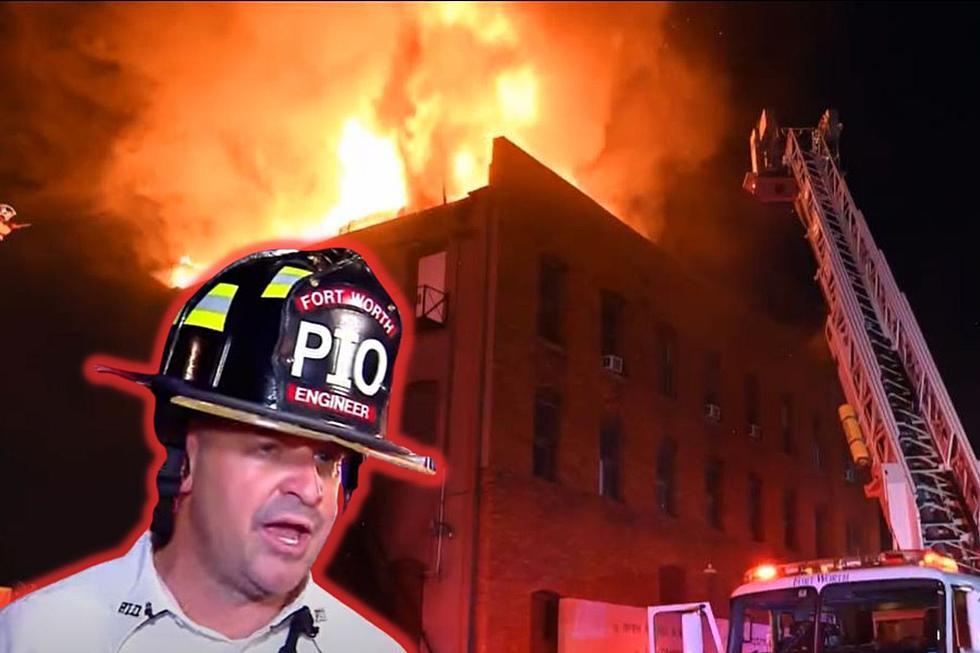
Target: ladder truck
point(923, 469)
point(923, 597)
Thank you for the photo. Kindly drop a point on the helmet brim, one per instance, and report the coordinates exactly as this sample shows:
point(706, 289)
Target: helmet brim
point(190, 397)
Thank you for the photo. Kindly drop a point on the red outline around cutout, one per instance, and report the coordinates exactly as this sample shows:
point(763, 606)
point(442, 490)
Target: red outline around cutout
point(368, 469)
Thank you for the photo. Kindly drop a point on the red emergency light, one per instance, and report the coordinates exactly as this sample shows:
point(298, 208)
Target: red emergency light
point(920, 558)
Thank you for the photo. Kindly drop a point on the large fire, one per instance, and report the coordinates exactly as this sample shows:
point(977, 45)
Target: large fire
point(375, 165)
point(372, 178)
point(251, 122)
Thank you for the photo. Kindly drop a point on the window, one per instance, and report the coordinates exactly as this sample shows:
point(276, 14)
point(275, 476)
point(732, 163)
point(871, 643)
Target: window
point(852, 537)
point(816, 449)
point(885, 542)
point(755, 508)
point(712, 379)
point(713, 491)
point(609, 457)
point(893, 615)
point(667, 359)
point(672, 584)
point(820, 527)
point(786, 423)
point(847, 465)
point(666, 462)
point(752, 402)
point(420, 411)
point(544, 622)
point(551, 298)
point(547, 427)
point(612, 318)
point(961, 619)
point(789, 520)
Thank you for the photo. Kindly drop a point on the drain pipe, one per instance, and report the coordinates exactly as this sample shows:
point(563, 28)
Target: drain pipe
point(486, 393)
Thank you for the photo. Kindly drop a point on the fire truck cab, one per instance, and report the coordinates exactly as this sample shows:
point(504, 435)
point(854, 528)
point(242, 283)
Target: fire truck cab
point(894, 602)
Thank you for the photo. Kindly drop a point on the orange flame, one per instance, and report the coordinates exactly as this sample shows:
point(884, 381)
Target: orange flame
point(372, 179)
point(182, 275)
point(271, 122)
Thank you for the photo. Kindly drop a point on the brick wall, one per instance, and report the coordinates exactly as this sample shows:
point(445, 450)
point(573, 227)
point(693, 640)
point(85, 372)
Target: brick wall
point(520, 534)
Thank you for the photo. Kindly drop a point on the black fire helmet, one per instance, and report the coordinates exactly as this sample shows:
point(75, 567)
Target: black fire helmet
point(299, 342)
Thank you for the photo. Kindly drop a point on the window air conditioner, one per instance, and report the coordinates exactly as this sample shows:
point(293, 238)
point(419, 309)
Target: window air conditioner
point(712, 412)
point(612, 363)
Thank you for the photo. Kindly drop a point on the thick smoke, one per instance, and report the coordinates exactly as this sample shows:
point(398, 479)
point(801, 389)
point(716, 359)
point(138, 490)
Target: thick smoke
point(205, 127)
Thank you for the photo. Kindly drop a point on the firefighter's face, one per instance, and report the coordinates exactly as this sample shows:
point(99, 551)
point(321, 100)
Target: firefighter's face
point(259, 505)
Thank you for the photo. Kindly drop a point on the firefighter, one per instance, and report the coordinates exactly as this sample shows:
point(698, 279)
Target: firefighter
point(273, 385)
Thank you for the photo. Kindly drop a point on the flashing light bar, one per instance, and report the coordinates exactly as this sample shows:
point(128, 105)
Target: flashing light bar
point(940, 562)
point(920, 558)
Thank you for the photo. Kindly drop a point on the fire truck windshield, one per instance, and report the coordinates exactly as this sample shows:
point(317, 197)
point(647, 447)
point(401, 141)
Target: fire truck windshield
point(881, 616)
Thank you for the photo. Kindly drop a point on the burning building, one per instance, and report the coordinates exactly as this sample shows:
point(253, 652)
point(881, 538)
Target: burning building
point(613, 429)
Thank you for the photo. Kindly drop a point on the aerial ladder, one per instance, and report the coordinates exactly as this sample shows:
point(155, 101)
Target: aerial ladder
point(922, 467)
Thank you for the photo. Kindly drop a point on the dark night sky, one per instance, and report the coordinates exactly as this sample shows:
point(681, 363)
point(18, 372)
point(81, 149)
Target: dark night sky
point(902, 76)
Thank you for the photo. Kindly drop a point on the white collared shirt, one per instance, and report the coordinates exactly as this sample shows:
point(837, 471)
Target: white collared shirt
point(122, 606)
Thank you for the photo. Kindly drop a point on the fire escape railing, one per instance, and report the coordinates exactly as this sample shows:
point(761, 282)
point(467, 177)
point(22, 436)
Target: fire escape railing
point(431, 305)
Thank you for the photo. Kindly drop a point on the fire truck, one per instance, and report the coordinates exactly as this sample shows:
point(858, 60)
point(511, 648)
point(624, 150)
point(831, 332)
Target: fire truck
point(924, 596)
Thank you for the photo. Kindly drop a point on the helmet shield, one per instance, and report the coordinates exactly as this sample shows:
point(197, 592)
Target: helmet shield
point(335, 353)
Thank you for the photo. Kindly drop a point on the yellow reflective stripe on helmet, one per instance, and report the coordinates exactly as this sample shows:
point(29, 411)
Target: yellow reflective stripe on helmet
point(207, 319)
point(211, 311)
point(280, 285)
point(223, 290)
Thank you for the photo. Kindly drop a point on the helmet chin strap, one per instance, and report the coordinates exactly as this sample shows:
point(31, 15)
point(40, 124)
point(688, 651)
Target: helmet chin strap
point(348, 475)
point(168, 486)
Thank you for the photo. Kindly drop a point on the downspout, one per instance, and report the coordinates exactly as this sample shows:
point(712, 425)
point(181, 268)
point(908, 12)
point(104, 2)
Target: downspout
point(439, 529)
point(484, 411)
point(448, 410)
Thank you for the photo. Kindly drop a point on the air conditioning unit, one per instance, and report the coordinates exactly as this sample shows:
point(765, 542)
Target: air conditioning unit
point(755, 431)
point(612, 363)
point(712, 412)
